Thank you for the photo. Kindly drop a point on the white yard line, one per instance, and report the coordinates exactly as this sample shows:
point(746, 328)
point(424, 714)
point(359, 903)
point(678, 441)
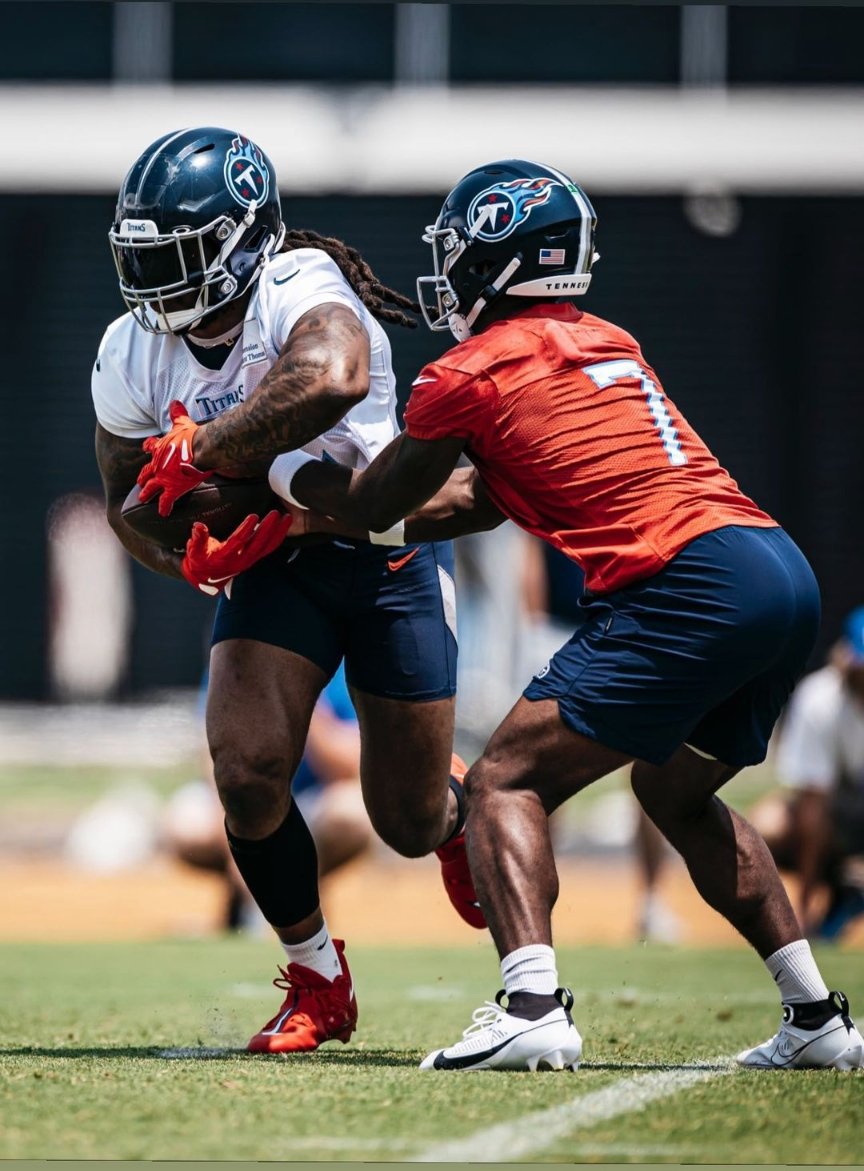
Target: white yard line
point(532, 1133)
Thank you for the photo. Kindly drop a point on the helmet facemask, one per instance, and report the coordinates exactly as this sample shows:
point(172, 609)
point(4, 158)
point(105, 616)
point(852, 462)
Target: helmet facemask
point(449, 245)
point(172, 280)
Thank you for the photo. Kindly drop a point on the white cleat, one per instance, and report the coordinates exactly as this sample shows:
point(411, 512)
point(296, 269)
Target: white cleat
point(812, 1036)
point(498, 1040)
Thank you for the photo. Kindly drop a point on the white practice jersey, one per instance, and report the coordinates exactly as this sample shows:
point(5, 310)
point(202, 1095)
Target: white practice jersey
point(822, 738)
point(138, 374)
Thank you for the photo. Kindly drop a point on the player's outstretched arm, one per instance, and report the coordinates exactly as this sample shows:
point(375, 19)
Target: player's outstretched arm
point(462, 506)
point(407, 473)
point(120, 461)
point(321, 373)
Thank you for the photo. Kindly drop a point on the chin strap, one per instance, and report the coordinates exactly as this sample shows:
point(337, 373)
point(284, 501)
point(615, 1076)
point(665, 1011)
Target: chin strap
point(492, 291)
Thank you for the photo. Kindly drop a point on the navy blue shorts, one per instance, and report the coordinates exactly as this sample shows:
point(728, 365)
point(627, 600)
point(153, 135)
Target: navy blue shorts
point(706, 652)
point(390, 613)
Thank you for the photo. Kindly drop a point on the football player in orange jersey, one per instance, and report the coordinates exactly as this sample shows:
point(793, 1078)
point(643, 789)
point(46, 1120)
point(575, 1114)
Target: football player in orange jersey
point(700, 612)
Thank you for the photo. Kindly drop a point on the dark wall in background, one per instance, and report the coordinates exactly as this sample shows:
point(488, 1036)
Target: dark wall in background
point(756, 337)
point(70, 40)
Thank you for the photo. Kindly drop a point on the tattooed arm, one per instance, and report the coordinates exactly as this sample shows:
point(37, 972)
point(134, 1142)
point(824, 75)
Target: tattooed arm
point(120, 461)
point(321, 373)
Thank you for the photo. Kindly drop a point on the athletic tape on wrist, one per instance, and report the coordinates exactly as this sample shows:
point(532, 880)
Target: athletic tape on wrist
point(391, 536)
point(283, 470)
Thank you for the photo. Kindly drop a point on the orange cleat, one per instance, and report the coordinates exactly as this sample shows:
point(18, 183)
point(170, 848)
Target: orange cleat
point(315, 1010)
point(454, 865)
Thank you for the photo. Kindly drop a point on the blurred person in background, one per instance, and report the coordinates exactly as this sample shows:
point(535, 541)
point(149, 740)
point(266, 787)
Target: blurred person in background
point(815, 827)
point(273, 338)
point(700, 611)
point(493, 627)
point(326, 788)
point(553, 585)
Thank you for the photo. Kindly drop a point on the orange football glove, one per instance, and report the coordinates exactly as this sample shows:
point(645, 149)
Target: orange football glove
point(171, 471)
point(210, 564)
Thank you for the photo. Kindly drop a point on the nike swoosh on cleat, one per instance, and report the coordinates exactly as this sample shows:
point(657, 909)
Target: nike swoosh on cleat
point(280, 1021)
point(443, 1062)
point(283, 280)
point(789, 1053)
point(396, 565)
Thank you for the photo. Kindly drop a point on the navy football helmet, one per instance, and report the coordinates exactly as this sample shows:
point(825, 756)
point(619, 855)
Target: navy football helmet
point(512, 228)
point(197, 217)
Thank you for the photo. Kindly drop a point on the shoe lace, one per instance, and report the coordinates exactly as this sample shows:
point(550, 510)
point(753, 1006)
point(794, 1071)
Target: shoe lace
point(484, 1017)
point(314, 999)
point(284, 982)
point(288, 981)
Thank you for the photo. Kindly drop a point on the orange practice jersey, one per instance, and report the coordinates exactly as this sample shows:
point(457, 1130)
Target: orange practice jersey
point(575, 441)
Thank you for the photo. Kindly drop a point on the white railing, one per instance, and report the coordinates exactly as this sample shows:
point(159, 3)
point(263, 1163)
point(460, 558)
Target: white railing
point(422, 139)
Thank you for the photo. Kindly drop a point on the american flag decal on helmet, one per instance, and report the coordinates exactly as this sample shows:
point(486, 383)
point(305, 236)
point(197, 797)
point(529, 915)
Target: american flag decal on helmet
point(552, 255)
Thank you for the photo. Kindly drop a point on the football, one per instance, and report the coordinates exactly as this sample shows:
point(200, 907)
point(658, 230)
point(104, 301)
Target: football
point(221, 503)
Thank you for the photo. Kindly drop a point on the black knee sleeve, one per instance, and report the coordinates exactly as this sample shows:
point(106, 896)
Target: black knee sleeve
point(281, 870)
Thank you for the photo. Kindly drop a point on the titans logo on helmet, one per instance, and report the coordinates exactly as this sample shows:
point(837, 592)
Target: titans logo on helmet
point(501, 208)
point(246, 174)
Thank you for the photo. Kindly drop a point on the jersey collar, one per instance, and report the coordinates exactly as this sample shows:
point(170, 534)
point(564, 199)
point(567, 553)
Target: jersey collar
point(560, 310)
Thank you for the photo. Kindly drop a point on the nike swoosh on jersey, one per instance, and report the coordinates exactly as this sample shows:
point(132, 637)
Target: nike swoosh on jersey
point(417, 381)
point(396, 565)
point(283, 280)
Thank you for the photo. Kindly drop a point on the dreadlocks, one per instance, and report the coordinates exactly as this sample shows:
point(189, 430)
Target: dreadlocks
point(375, 296)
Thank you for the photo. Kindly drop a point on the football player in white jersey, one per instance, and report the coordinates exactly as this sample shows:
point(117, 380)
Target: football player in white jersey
point(272, 339)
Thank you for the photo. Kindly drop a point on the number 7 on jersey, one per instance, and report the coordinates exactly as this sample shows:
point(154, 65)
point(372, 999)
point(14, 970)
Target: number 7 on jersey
point(603, 374)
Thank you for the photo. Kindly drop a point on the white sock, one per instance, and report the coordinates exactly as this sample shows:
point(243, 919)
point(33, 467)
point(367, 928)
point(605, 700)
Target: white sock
point(530, 969)
point(317, 953)
point(796, 975)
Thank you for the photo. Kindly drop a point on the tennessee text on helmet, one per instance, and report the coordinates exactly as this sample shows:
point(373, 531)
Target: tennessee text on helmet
point(197, 217)
point(512, 228)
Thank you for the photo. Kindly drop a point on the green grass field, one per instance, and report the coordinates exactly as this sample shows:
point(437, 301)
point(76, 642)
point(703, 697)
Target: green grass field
point(91, 1069)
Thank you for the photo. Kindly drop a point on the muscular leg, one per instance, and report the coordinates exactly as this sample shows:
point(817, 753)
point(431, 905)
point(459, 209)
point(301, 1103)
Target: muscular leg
point(729, 863)
point(531, 765)
point(260, 701)
point(405, 770)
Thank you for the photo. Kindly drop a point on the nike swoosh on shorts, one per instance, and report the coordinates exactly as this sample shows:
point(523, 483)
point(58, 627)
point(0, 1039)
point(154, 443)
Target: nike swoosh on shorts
point(393, 566)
